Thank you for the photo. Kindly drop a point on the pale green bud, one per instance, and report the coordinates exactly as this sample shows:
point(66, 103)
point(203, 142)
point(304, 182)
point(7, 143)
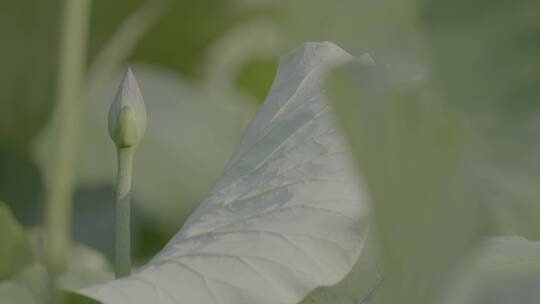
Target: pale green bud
point(127, 116)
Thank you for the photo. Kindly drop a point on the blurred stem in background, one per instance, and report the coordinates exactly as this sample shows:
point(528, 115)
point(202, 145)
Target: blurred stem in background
point(72, 61)
point(125, 39)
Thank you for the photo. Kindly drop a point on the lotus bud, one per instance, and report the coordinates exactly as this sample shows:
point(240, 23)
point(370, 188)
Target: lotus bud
point(127, 116)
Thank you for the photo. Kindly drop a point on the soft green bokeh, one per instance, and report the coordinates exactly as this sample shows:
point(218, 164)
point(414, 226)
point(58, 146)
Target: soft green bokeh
point(32, 283)
point(15, 250)
point(29, 32)
point(415, 160)
point(21, 185)
point(486, 65)
point(446, 127)
point(501, 270)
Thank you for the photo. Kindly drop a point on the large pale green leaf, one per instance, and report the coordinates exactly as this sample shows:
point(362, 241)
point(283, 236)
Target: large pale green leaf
point(501, 270)
point(415, 161)
point(15, 250)
point(287, 216)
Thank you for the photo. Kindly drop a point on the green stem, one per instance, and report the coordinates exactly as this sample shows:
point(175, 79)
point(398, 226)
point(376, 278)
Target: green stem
point(123, 212)
point(72, 61)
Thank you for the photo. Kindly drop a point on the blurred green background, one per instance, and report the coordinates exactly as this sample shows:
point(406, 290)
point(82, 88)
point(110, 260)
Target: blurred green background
point(205, 66)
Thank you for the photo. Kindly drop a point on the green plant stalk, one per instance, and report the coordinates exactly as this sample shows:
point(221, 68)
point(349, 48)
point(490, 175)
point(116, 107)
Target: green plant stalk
point(73, 45)
point(123, 212)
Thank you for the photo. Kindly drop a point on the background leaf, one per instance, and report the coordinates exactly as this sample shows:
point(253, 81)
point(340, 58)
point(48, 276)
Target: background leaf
point(29, 286)
point(179, 38)
point(33, 283)
point(21, 185)
point(485, 63)
point(15, 250)
point(27, 81)
point(501, 270)
point(415, 160)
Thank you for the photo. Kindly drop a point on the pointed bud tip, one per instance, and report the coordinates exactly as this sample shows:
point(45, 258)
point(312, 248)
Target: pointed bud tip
point(129, 82)
point(129, 72)
point(128, 95)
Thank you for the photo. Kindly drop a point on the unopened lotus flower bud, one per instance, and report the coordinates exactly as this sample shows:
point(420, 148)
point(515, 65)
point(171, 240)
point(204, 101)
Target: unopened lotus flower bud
point(127, 116)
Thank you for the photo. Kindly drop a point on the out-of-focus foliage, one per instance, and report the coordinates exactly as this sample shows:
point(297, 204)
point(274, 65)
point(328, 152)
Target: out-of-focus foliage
point(179, 38)
point(24, 279)
point(501, 270)
point(448, 121)
point(34, 285)
point(15, 251)
point(494, 43)
point(29, 286)
point(21, 185)
point(255, 77)
point(29, 31)
point(387, 28)
point(482, 94)
point(486, 64)
point(85, 267)
point(417, 170)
